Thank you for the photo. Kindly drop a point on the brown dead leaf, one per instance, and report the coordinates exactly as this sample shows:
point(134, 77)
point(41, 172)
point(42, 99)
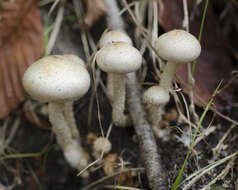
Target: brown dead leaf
point(21, 43)
point(214, 63)
point(110, 164)
point(95, 9)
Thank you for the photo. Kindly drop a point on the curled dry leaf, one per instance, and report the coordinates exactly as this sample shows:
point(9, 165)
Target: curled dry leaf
point(110, 164)
point(21, 43)
point(94, 10)
point(214, 63)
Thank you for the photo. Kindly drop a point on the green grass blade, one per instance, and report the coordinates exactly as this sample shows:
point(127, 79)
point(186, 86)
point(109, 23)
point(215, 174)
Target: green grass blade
point(200, 33)
point(27, 155)
point(177, 181)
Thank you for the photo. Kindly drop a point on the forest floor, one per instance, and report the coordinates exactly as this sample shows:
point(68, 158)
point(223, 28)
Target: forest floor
point(32, 159)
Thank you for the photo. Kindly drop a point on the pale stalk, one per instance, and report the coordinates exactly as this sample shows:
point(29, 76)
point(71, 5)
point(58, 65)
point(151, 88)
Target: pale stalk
point(110, 86)
point(72, 149)
point(167, 75)
point(155, 113)
point(119, 99)
point(70, 119)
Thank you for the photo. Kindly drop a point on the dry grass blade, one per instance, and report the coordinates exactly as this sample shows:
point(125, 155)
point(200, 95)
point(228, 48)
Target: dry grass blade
point(120, 187)
point(111, 176)
point(197, 175)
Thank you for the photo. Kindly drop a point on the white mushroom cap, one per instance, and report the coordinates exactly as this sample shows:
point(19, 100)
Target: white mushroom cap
point(56, 78)
point(119, 57)
point(178, 46)
point(114, 36)
point(73, 58)
point(156, 95)
point(102, 144)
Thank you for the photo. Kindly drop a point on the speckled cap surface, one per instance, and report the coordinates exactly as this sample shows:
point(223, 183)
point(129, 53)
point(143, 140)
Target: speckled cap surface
point(119, 57)
point(178, 46)
point(57, 78)
point(156, 95)
point(114, 36)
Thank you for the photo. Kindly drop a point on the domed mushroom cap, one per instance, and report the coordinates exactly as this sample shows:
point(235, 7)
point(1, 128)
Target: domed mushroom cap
point(102, 144)
point(178, 46)
point(156, 95)
point(119, 57)
point(114, 36)
point(73, 58)
point(56, 78)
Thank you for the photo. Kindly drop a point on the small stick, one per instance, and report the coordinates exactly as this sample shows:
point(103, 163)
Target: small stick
point(55, 32)
point(101, 180)
point(156, 175)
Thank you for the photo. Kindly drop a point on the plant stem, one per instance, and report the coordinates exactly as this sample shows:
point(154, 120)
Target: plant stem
point(156, 175)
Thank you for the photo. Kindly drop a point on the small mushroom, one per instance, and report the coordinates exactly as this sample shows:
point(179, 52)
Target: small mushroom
point(155, 98)
point(176, 47)
point(114, 36)
point(119, 58)
point(101, 145)
point(59, 80)
point(109, 37)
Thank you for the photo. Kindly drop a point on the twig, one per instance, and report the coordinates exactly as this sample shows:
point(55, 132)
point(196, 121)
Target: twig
point(114, 20)
point(205, 170)
point(221, 176)
point(55, 32)
point(186, 17)
point(120, 187)
point(155, 172)
point(53, 7)
point(221, 141)
point(111, 176)
point(190, 76)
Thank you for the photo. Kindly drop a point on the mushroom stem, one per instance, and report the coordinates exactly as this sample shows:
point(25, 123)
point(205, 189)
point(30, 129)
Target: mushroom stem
point(110, 86)
point(155, 113)
point(119, 95)
point(70, 119)
point(72, 149)
point(59, 125)
point(167, 75)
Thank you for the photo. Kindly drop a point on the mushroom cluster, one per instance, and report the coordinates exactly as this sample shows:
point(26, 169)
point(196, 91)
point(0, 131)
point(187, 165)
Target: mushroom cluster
point(59, 80)
point(176, 47)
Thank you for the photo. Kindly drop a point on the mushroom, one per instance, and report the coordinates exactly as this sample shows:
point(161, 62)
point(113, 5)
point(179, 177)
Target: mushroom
point(109, 37)
point(114, 36)
point(59, 80)
point(119, 58)
point(154, 98)
point(176, 47)
point(101, 145)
